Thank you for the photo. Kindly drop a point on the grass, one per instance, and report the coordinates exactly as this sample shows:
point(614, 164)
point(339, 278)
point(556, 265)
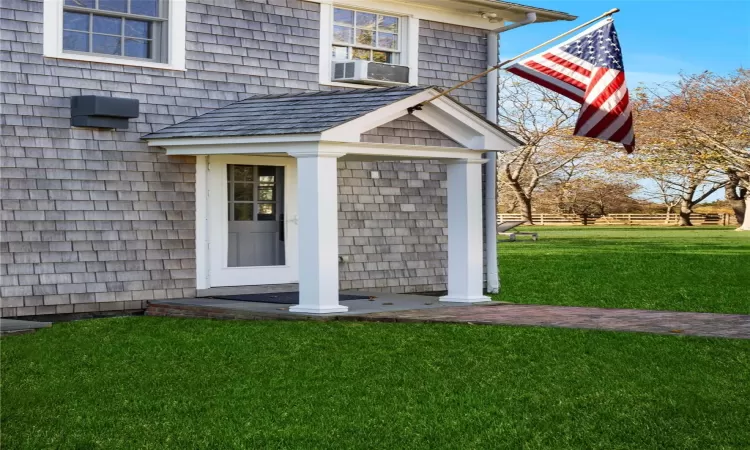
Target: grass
point(143, 382)
point(703, 269)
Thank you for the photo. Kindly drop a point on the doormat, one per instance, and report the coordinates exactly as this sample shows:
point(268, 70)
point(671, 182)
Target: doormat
point(282, 298)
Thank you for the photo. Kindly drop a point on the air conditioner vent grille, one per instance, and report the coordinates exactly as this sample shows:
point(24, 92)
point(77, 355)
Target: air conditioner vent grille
point(368, 72)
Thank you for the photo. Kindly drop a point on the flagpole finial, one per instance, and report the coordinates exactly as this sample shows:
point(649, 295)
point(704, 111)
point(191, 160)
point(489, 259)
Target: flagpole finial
point(612, 11)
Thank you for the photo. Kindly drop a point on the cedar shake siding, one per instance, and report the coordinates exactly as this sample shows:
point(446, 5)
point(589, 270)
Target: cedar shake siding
point(95, 220)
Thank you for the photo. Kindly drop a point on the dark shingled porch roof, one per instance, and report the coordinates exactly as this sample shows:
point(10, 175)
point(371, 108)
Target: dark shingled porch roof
point(301, 113)
point(308, 112)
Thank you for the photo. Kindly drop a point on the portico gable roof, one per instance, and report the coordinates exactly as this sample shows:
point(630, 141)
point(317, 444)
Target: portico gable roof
point(333, 116)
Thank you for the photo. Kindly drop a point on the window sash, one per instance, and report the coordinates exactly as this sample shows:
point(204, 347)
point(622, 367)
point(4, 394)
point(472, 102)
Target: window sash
point(394, 53)
point(157, 42)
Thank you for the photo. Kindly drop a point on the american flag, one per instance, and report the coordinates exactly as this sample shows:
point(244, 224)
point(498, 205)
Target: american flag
point(588, 69)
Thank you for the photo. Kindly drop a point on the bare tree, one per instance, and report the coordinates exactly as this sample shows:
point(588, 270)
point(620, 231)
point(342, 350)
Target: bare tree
point(544, 120)
point(710, 116)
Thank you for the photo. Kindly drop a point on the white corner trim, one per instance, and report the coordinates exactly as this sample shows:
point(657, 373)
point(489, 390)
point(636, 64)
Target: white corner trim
point(409, 50)
point(326, 42)
point(202, 232)
point(412, 49)
point(53, 44)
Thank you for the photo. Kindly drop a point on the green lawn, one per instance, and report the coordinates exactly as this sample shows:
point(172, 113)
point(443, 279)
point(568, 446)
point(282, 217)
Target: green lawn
point(681, 269)
point(144, 382)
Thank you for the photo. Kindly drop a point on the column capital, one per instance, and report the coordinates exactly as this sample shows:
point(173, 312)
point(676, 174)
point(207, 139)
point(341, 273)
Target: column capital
point(465, 161)
point(315, 154)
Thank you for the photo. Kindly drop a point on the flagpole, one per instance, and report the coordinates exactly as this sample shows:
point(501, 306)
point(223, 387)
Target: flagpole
point(507, 61)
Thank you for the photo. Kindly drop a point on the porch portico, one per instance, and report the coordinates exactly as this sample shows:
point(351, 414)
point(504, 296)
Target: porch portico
point(305, 135)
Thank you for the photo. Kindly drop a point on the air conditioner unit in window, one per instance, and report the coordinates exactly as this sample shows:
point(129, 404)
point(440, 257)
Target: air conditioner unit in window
point(368, 72)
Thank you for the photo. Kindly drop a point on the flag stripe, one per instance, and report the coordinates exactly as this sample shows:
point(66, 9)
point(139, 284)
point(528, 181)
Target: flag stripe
point(586, 73)
point(588, 69)
point(561, 88)
point(557, 74)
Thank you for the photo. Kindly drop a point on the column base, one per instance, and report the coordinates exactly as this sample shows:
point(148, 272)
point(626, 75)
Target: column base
point(318, 310)
point(477, 299)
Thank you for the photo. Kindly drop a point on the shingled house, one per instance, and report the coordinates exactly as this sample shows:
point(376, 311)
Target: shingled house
point(159, 149)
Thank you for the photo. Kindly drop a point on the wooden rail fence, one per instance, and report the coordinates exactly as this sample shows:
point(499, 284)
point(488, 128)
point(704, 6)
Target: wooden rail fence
point(622, 219)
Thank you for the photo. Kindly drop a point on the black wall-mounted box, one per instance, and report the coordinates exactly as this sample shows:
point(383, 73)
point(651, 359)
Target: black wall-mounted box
point(95, 111)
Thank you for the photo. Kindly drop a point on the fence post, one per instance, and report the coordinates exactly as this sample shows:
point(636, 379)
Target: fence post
point(541, 219)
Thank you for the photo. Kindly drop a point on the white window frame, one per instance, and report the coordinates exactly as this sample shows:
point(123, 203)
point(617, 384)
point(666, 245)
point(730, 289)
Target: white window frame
point(176, 23)
point(408, 45)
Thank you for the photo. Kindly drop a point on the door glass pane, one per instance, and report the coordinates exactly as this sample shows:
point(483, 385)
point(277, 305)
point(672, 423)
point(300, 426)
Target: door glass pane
point(266, 192)
point(266, 211)
point(243, 211)
point(243, 173)
point(243, 192)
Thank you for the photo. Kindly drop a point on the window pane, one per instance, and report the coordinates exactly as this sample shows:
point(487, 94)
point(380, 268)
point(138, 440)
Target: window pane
point(114, 5)
point(243, 192)
point(267, 193)
point(137, 48)
point(343, 16)
point(243, 211)
point(81, 3)
point(387, 40)
point(75, 21)
point(78, 42)
point(361, 53)
point(267, 174)
point(138, 29)
point(107, 25)
point(366, 20)
point(343, 35)
point(145, 7)
point(382, 57)
point(366, 37)
point(242, 173)
point(388, 23)
point(340, 53)
point(110, 45)
point(266, 211)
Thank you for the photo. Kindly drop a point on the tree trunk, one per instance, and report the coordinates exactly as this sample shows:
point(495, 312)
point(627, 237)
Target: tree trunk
point(746, 223)
point(526, 210)
point(685, 211)
point(524, 202)
point(736, 195)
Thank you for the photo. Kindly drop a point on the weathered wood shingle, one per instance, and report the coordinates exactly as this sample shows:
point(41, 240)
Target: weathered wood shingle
point(309, 112)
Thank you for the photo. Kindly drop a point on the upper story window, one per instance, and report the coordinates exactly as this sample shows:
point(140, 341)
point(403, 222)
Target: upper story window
point(125, 28)
point(366, 36)
point(348, 33)
point(147, 33)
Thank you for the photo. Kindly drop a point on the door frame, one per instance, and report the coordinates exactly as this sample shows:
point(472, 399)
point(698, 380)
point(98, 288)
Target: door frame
point(212, 233)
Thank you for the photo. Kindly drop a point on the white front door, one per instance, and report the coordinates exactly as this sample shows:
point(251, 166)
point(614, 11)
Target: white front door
point(251, 226)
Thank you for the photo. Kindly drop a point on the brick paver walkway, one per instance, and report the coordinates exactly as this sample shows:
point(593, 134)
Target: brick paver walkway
point(664, 322)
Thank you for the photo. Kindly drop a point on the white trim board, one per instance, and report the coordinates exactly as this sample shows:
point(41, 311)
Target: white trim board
point(468, 16)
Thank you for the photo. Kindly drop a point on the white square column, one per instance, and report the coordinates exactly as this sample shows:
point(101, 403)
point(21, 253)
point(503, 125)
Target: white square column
point(465, 251)
point(318, 233)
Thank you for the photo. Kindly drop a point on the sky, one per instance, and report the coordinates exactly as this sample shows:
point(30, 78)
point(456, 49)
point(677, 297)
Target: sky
point(659, 39)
